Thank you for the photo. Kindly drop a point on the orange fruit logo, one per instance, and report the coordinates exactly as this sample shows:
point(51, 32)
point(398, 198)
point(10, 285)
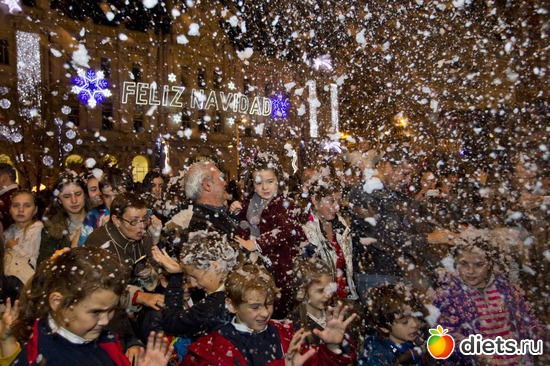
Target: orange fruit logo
point(440, 344)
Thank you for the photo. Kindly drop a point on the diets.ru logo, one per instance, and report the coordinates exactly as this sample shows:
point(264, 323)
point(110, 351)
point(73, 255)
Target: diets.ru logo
point(440, 344)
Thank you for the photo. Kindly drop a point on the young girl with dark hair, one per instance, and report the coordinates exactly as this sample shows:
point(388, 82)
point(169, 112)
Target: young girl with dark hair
point(63, 220)
point(270, 224)
point(67, 305)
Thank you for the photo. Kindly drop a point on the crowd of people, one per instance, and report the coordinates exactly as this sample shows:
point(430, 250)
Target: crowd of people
point(351, 266)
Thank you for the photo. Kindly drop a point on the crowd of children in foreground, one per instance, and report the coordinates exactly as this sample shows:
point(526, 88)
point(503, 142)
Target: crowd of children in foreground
point(82, 303)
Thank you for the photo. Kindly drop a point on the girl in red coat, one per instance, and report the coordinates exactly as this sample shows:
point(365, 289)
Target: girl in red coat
point(253, 339)
point(270, 224)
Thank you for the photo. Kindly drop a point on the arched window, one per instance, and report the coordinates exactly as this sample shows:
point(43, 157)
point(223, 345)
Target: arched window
point(109, 161)
point(74, 162)
point(140, 167)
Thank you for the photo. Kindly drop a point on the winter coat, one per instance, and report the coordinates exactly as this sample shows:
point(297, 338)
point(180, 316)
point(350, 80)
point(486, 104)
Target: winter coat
point(326, 252)
point(390, 232)
point(127, 252)
point(54, 237)
point(281, 236)
point(199, 217)
point(215, 349)
point(29, 240)
point(54, 349)
point(378, 351)
point(203, 317)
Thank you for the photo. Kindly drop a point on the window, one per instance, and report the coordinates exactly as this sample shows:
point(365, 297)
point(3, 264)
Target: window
point(218, 127)
point(136, 71)
point(106, 67)
point(184, 77)
point(246, 85)
point(217, 78)
point(138, 124)
point(201, 77)
point(74, 115)
point(185, 120)
point(140, 167)
point(200, 121)
point(4, 52)
point(107, 116)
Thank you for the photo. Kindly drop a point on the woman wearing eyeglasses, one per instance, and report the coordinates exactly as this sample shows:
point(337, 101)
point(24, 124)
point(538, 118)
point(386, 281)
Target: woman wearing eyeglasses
point(129, 236)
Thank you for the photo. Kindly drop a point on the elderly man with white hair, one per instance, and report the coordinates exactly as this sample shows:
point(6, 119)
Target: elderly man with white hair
point(205, 187)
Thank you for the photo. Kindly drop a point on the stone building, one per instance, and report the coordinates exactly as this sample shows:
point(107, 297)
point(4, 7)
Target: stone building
point(179, 90)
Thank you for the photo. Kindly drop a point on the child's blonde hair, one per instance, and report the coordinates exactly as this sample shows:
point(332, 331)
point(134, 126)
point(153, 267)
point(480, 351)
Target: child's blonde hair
point(308, 272)
point(35, 203)
point(249, 277)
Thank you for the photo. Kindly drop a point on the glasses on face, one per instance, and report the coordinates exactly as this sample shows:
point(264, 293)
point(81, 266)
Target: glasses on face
point(146, 221)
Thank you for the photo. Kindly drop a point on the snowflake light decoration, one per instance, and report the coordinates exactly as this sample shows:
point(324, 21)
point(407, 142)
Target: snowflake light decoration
point(13, 5)
point(333, 146)
point(176, 118)
point(231, 85)
point(90, 87)
point(279, 106)
point(172, 77)
point(322, 62)
point(231, 121)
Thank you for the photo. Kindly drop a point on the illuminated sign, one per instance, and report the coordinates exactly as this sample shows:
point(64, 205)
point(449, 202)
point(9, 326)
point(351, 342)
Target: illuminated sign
point(173, 96)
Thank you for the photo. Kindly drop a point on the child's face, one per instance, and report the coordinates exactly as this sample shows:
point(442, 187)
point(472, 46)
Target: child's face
point(328, 207)
point(72, 198)
point(88, 317)
point(265, 183)
point(473, 268)
point(404, 329)
point(209, 279)
point(22, 208)
point(319, 294)
point(255, 311)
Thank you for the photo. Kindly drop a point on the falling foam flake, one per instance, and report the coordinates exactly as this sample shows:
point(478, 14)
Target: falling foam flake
point(193, 29)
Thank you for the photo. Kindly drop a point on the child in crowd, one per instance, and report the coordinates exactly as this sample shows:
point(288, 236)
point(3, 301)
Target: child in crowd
point(393, 313)
point(113, 182)
point(23, 236)
point(9, 347)
point(63, 220)
point(270, 225)
point(476, 300)
point(207, 259)
point(65, 308)
point(252, 338)
point(315, 289)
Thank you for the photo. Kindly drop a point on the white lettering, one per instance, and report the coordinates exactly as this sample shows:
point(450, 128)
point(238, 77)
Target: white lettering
point(128, 88)
point(153, 95)
point(175, 100)
point(243, 103)
point(255, 107)
point(212, 101)
point(227, 100)
point(142, 91)
point(197, 99)
point(476, 345)
point(266, 111)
